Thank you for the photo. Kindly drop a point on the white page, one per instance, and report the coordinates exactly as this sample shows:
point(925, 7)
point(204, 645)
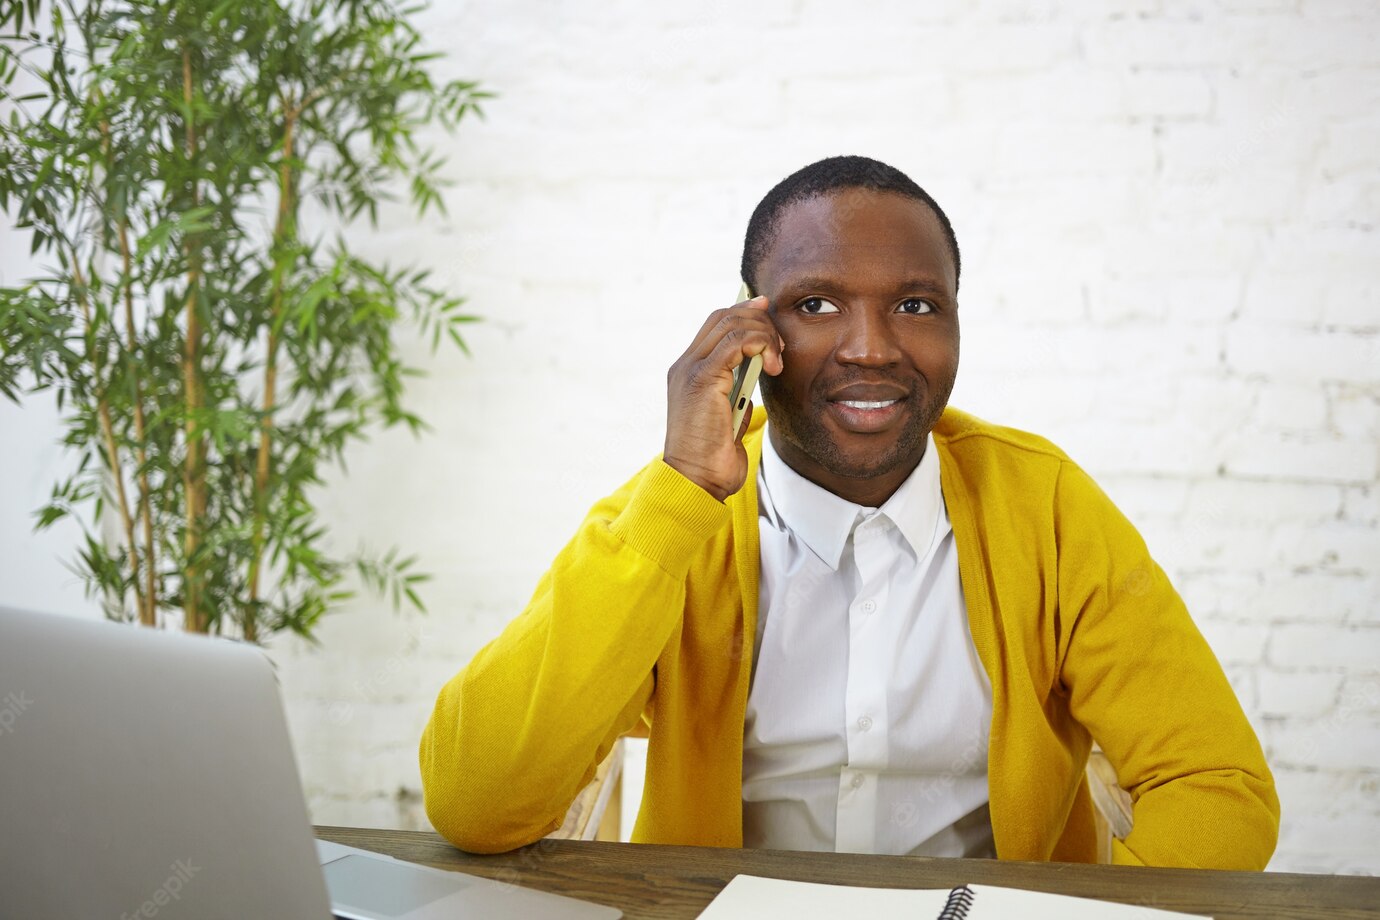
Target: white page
point(996, 901)
point(749, 897)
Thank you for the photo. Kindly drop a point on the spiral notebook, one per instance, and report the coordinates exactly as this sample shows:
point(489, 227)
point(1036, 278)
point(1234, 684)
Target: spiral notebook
point(749, 896)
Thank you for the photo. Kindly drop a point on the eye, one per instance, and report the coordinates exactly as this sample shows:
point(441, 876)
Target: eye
point(817, 305)
point(916, 307)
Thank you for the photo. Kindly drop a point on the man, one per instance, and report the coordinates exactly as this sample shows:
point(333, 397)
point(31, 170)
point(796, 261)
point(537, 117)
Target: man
point(864, 622)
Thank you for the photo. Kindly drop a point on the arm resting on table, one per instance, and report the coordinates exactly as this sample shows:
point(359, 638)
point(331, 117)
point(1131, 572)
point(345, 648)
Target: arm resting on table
point(519, 732)
point(1141, 678)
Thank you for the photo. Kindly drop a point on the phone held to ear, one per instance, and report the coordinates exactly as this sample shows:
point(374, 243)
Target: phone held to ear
point(744, 378)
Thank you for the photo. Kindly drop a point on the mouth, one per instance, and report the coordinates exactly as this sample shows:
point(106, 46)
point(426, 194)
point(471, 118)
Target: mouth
point(865, 404)
point(865, 415)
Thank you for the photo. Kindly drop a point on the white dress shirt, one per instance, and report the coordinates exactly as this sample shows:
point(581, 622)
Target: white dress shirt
point(868, 716)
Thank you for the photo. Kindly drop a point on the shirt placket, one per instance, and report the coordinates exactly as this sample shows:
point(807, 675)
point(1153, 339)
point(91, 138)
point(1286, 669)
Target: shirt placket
point(866, 723)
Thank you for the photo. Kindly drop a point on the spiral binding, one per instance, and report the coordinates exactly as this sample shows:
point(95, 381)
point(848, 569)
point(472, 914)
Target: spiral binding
point(958, 905)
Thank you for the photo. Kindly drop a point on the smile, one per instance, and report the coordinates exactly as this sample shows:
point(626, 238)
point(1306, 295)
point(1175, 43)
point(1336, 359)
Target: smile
point(861, 404)
point(866, 416)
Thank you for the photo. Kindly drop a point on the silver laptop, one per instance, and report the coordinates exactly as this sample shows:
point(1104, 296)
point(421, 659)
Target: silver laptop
point(148, 774)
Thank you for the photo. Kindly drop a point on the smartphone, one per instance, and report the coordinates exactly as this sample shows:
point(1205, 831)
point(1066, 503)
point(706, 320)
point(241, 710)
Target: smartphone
point(744, 377)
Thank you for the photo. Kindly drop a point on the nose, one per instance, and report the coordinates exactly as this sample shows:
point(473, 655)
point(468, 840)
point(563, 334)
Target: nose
point(868, 340)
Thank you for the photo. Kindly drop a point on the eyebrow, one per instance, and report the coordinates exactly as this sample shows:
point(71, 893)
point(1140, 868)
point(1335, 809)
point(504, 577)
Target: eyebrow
point(833, 285)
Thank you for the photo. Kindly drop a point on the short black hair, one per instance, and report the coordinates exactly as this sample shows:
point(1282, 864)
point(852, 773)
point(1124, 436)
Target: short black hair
point(830, 175)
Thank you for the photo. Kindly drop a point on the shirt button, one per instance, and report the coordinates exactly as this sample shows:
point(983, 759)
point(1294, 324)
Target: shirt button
point(869, 606)
point(865, 723)
point(857, 780)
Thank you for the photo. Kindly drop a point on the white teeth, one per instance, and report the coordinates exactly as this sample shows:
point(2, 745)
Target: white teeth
point(859, 404)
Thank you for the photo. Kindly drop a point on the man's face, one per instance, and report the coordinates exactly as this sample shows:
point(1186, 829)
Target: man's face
point(863, 290)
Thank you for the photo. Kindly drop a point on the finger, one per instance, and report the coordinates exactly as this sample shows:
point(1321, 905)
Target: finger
point(717, 317)
point(710, 321)
point(745, 423)
point(773, 356)
point(779, 365)
point(747, 335)
point(760, 302)
point(738, 345)
point(722, 322)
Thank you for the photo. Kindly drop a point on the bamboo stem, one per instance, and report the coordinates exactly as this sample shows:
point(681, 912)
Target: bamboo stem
point(194, 468)
point(108, 433)
point(150, 615)
point(148, 611)
point(270, 378)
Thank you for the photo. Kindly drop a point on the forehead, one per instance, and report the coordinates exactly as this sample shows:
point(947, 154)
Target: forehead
point(855, 232)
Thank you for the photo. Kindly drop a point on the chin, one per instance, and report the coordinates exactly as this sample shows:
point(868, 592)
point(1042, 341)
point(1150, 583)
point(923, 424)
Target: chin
point(853, 464)
point(851, 455)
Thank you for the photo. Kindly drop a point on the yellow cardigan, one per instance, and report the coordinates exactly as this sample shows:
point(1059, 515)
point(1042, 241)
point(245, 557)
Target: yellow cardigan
point(645, 622)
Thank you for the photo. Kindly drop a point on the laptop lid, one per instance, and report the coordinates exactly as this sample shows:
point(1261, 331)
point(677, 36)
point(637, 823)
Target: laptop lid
point(146, 774)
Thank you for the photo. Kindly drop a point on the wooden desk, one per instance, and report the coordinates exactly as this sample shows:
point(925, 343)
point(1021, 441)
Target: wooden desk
point(678, 882)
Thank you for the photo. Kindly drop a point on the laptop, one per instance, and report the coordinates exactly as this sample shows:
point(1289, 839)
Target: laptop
point(149, 774)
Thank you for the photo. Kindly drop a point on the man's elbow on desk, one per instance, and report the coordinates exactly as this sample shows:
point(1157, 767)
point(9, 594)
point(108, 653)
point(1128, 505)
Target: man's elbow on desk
point(473, 819)
point(476, 816)
point(483, 832)
point(1225, 819)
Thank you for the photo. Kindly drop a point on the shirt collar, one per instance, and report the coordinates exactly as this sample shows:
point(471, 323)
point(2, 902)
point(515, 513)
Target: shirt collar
point(824, 521)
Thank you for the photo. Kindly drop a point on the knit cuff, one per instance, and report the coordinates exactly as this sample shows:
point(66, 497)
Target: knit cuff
point(668, 518)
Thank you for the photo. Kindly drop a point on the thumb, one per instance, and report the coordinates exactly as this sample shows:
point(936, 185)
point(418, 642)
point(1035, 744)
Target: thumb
point(745, 423)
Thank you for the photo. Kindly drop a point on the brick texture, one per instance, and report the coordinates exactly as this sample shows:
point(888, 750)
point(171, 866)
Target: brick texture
point(1168, 213)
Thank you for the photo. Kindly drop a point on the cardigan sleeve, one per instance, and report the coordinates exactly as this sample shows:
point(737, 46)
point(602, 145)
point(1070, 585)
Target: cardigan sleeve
point(1140, 677)
point(519, 731)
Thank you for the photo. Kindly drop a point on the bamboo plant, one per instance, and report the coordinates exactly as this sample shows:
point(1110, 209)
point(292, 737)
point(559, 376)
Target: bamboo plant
point(184, 169)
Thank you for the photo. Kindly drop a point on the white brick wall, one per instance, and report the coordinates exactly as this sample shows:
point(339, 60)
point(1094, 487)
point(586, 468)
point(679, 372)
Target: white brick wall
point(1168, 213)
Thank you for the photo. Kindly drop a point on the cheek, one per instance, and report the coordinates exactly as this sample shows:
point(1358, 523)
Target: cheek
point(807, 349)
point(791, 387)
point(801, 366)
point(936, 353)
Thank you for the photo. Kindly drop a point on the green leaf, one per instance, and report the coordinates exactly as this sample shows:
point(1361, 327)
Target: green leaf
point(110, 148)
